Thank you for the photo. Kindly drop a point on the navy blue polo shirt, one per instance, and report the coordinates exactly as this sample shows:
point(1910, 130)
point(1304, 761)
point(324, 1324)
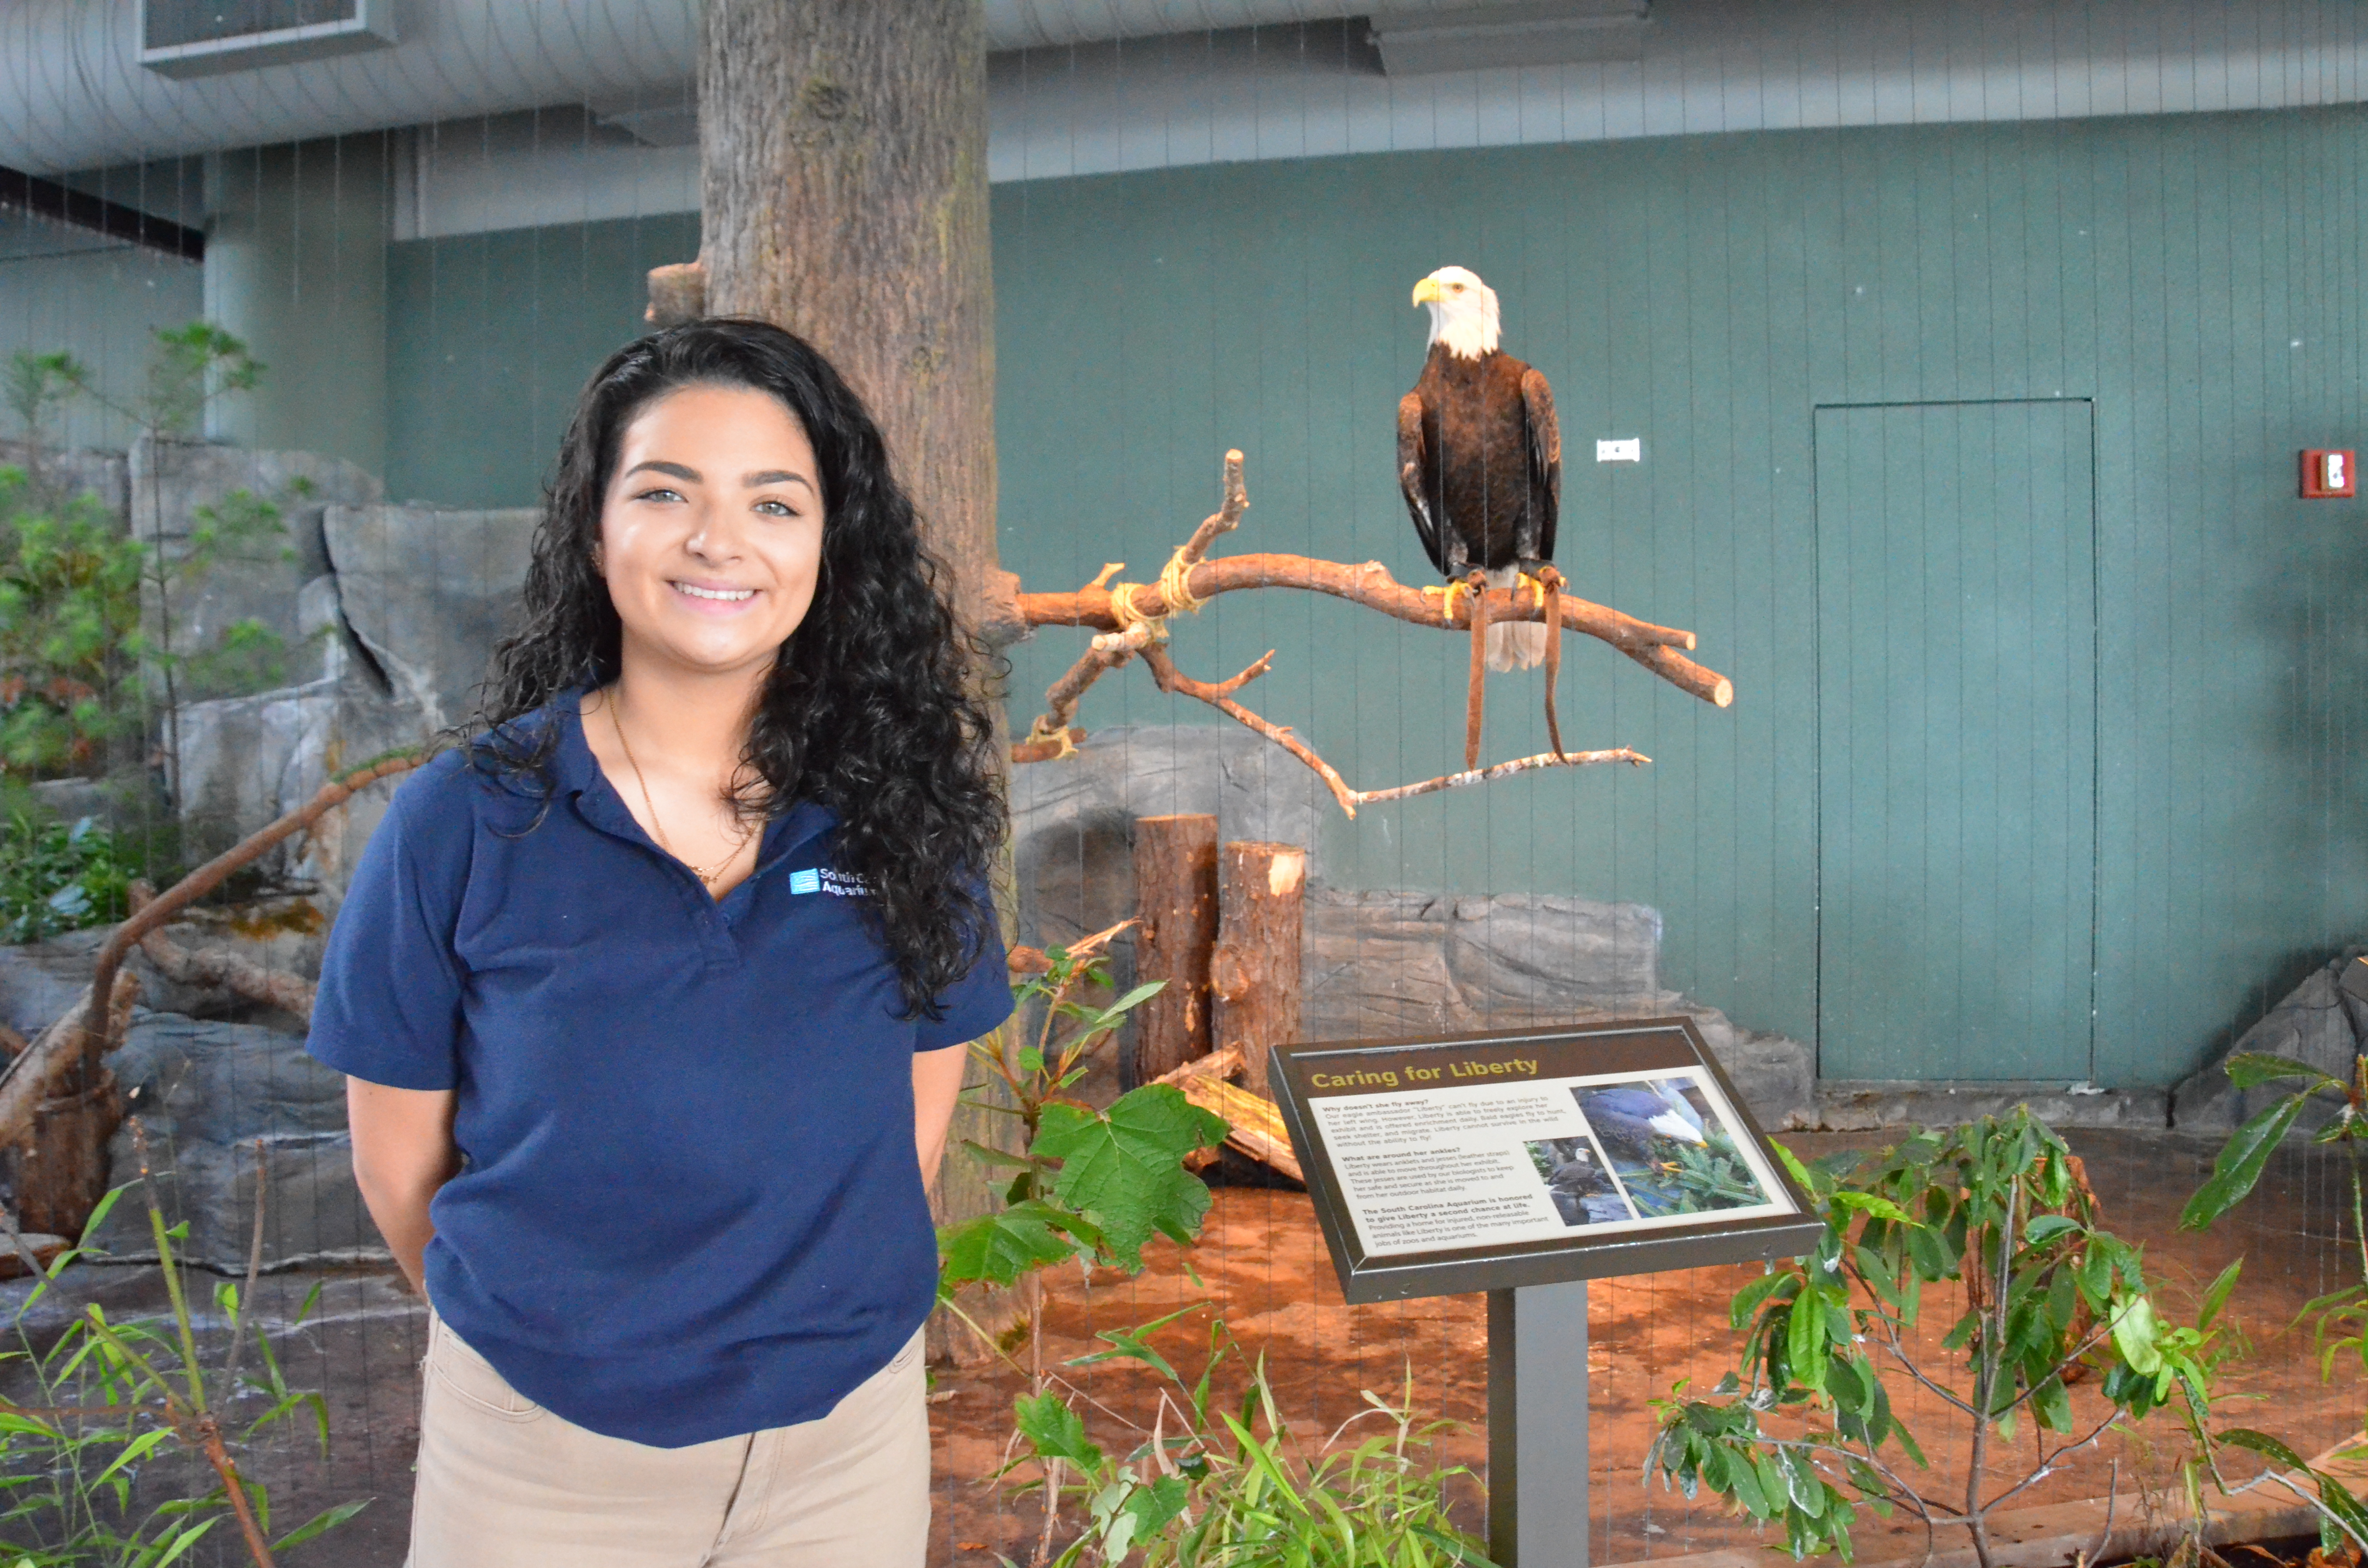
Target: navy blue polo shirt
point(691, 1206)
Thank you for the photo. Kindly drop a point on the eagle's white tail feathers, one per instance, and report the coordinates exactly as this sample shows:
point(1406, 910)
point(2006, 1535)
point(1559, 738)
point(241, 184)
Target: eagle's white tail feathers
point(1514, 644)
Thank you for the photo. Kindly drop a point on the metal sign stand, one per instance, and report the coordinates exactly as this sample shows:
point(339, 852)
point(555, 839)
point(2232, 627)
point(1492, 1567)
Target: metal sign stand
point(1537, 1426)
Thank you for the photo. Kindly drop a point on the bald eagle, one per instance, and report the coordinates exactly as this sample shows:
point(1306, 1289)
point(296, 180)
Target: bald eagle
point(1480, 465)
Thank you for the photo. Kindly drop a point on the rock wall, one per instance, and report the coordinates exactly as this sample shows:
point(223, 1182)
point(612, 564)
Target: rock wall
point(1378, 964)
point(171, 484)
point(416, 599)
point(2323, 1021)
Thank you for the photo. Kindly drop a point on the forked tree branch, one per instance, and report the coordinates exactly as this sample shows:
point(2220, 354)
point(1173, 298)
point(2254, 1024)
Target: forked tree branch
point(1220, 697)
point(25, 1081)
point(1134, 621)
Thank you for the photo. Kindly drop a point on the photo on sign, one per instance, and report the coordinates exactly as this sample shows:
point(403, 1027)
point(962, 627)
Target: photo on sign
point(1579, 1181)
point(1670, 1150)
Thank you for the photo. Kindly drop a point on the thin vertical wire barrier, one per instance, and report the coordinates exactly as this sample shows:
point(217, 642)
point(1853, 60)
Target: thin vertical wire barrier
point(1843, 276)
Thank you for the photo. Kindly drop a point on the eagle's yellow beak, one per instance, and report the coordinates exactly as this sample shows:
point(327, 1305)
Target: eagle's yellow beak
point(1427, 292)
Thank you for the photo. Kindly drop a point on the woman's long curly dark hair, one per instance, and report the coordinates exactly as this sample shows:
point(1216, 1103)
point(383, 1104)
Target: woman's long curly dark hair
point(871, 709)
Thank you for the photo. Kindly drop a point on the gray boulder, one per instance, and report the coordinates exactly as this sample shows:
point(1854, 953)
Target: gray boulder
point(244, 761)
point(427, 593)
point(173, 484)
point(216, 1100)
point(76, 472)
point(1378, 965)
point(39, 981)
point(2313, 1024)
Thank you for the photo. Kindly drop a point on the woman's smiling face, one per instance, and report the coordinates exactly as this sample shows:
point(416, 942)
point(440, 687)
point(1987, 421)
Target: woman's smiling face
point(711, 532)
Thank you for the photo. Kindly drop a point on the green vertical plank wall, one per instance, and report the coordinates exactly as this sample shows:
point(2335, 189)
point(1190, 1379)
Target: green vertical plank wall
point(2196, 278)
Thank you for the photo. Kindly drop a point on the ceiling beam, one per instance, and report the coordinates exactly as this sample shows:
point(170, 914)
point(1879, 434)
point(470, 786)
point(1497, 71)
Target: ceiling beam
point(64, 204)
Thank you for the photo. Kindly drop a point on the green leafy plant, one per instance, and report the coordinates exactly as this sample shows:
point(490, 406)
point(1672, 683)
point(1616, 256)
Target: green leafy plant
point(1805, 1429)
point(1091, 1184)
point(2339, 1318)
point(115, 1396)
point(55, 878)
point(1233, 1489)
point(79, 651)
point(1217, 1489)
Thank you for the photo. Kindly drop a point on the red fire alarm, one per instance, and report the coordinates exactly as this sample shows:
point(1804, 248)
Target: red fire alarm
point(2326, 476)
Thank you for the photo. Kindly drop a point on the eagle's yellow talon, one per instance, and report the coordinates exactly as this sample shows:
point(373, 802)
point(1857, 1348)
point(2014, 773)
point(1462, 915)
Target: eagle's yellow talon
point(1447, 592)
point(1537, 586)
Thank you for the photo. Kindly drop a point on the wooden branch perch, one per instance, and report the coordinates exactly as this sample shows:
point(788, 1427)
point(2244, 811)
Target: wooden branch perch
point(25, 1081)
point(1371, 584)
point(234, 972)
point(1133, 616)
point(1220, 697)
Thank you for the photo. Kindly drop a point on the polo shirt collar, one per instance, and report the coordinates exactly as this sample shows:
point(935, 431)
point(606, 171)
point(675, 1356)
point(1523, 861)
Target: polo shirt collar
point(577, 775)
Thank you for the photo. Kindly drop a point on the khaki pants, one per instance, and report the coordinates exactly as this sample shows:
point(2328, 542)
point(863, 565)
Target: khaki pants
point(505, 1484)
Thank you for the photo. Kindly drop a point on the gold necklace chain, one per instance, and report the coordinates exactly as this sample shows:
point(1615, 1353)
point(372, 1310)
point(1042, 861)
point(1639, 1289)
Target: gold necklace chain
point(706, 874)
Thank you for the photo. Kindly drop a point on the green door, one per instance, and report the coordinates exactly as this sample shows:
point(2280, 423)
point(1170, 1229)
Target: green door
point(1956, 740)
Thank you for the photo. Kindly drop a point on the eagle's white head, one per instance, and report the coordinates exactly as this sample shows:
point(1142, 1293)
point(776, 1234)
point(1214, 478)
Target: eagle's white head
point(1463, 312)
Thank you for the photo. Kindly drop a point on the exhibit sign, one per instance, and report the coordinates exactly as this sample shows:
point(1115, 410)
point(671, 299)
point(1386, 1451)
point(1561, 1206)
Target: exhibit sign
point(1486, 1162)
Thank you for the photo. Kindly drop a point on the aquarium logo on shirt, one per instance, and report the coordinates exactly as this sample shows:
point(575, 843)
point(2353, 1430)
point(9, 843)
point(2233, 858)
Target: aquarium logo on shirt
point(822, 880)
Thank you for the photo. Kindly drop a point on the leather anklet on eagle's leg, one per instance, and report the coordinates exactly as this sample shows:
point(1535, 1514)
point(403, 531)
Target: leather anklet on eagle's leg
point(1477, 700)
point(1552, 580)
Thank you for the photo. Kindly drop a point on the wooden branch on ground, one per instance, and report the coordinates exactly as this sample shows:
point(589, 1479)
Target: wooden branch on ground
point(233, 972)
point(1253, 1125)
point(25, 1081)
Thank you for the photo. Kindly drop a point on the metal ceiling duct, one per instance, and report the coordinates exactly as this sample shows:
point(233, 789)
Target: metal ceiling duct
point(1046, 24)
point(73, 94)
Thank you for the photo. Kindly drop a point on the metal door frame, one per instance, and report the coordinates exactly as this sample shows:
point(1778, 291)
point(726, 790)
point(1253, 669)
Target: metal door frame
point(1818, 702)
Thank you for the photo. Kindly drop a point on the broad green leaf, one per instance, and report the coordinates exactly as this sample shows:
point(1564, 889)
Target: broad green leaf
point(999, 1249)
point(2047, 1227)
point(1868, 1203)
point(1801, 1174)
point(1932, 1259)
point(2241, 1162)
point(2261, 1443)
point(1125, 1168)
point(1742, 1483)
point(2051, 1405)
point(1747, 1301)
point(2249, 1069)
point(1155, 1504)
point(2134, 1335)
point(1804, 1341)
point(1056, 1430)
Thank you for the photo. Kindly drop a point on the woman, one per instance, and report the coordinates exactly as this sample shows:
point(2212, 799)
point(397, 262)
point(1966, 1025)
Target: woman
point(651, 998)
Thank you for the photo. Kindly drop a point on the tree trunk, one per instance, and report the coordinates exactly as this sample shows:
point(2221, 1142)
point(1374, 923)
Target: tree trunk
point(1175, 900)
point(1255, 973)
point(843, 153)
point(842, 164)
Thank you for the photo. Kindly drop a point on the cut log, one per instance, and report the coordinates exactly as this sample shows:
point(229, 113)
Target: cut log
point(27, 1251)
point(58, 1170)
point(1254, 975)
point(1176, 900)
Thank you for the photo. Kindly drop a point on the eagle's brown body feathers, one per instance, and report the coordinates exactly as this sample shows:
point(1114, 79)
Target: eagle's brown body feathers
point(1480, 462)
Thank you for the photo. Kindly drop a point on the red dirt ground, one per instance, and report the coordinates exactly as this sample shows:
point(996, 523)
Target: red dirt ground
point(1263, 1266)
